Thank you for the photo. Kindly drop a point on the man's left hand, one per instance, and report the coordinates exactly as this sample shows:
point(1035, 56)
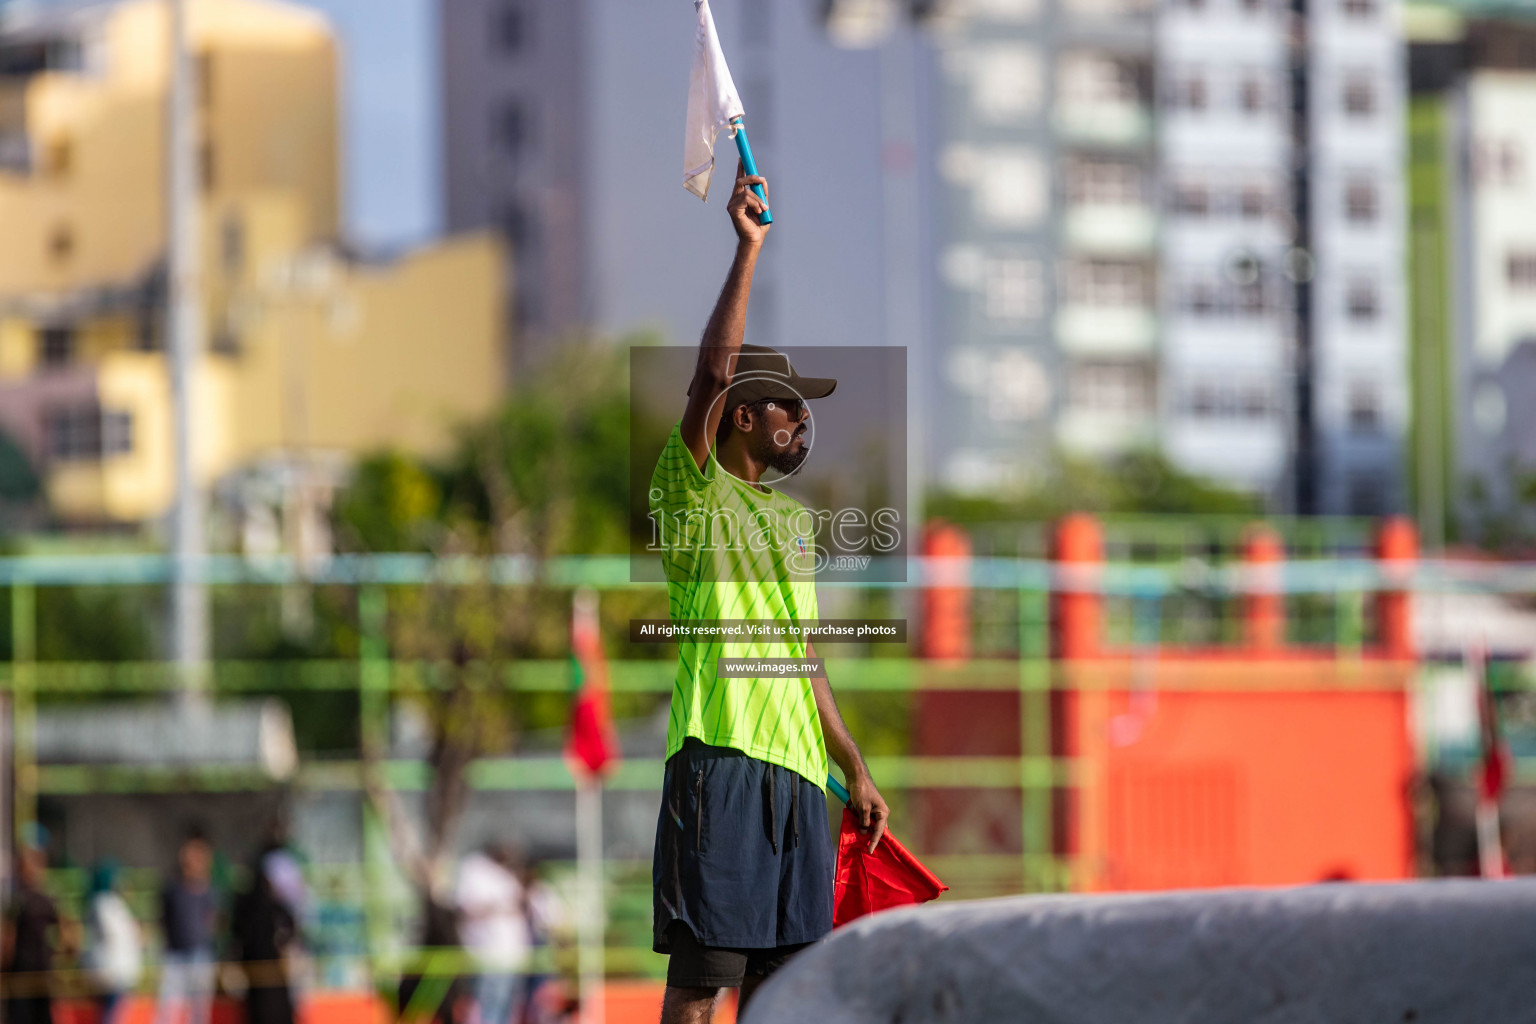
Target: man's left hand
point(868, 808)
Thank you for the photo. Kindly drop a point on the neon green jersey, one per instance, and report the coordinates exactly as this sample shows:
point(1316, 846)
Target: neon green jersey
point(735, 551)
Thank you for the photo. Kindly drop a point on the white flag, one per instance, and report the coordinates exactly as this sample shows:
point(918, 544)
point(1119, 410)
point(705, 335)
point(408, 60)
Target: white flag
point(712, 103)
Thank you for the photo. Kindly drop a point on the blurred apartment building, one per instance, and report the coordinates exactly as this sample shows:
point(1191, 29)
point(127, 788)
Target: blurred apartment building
point(514, 87)
point(312, 356)
point(562, 131)
point(1174, 225)
point(1473, 179)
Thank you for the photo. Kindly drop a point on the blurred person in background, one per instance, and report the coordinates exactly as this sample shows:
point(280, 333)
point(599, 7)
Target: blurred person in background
point(188, 913)
point(31, 935)
point(264, 931)
point(285, 870)
point(113, 958)
point(545, 913)
point(494, 929)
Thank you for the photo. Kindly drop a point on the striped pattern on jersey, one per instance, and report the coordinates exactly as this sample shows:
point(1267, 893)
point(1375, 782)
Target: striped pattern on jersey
point(732, 551)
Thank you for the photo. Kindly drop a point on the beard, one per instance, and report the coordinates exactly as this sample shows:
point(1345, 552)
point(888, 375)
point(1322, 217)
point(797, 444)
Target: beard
point(786, 459)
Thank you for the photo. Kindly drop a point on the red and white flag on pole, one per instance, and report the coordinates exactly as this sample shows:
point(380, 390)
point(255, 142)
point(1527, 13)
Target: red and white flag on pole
point(1493, 772)
point(592, 747)
point(712, 103)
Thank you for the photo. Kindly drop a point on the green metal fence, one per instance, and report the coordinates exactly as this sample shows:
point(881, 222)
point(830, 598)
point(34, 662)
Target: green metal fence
point(1163, 583)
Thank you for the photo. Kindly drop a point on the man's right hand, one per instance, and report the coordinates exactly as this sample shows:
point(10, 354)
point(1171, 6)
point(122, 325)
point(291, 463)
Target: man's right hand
point(728, 323)
point(745, 208)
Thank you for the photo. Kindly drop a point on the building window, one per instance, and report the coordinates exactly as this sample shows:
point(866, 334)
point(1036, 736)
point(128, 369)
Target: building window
point(59, 157)
point(1189, 92)
point(1191, 199)
point(1202, 400)
point(1015, 289)
point(510, 125)
point(225, 341)
point(1011, 189)
point(509, 27)
point(1511, 162)
point(116, 432)
point(1362, 301)
point(1498, 162)
point(232, 244)
point(518, 228)
point(1257, 402)
point(58, 346)
point(1113, 388)
point(1253, 202)
point(1206, 296)
point(1225, 400)
point(61, 243)
point(1521, 268)
point(1364, 409)
point(1103, 10)
point(1091, 79)
point(208, 166)
point(1251, 299)
point(1200, 298)
point(86, 432)
point(1114, 283)
point(15, 152)
point(1006, 83)
point(28, 57)
point(1359, 96)
point(1253, 94)
point(1367, 495)
point(1360, 201)
point(150, 324)
point(1111, 182)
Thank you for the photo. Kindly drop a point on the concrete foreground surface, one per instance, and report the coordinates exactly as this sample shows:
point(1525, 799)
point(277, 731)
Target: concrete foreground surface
point(1437, 951)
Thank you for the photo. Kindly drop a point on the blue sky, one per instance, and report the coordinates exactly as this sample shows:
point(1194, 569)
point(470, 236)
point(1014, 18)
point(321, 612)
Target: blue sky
point(390, 104)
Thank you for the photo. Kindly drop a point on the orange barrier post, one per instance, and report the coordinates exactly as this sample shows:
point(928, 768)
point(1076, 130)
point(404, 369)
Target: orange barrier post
point(1397, 548)
point(1077, 615)
point(947, 595)
point(1078, 548)
point(1264, 606)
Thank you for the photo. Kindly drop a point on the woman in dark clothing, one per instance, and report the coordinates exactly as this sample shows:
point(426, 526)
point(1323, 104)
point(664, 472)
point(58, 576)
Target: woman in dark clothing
point(264, 928)
point(28, 939)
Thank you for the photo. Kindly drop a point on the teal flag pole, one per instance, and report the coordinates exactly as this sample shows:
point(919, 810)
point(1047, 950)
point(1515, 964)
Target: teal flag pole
point(838, 790)
point(739, 130)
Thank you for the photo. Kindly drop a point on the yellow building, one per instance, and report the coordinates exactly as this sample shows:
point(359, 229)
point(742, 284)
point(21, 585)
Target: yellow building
point(310, 353)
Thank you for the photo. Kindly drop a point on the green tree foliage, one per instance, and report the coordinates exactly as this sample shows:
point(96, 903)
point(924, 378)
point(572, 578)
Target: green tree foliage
point(1138, 483)
point(19, 483)
point(545, 476)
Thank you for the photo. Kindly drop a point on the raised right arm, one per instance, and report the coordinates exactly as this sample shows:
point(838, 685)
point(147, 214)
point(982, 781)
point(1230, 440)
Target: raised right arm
point(727, 324)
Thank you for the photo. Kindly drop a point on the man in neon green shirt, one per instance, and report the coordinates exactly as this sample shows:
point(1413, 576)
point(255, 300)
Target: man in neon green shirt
point(743, 867)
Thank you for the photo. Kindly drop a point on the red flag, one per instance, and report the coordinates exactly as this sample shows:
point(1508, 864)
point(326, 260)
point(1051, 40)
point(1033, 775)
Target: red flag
point(1494, 771)
point(592, 746)
point(867, 882)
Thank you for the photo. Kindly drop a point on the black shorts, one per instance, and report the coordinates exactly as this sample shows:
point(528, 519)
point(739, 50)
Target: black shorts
point(744, 863)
